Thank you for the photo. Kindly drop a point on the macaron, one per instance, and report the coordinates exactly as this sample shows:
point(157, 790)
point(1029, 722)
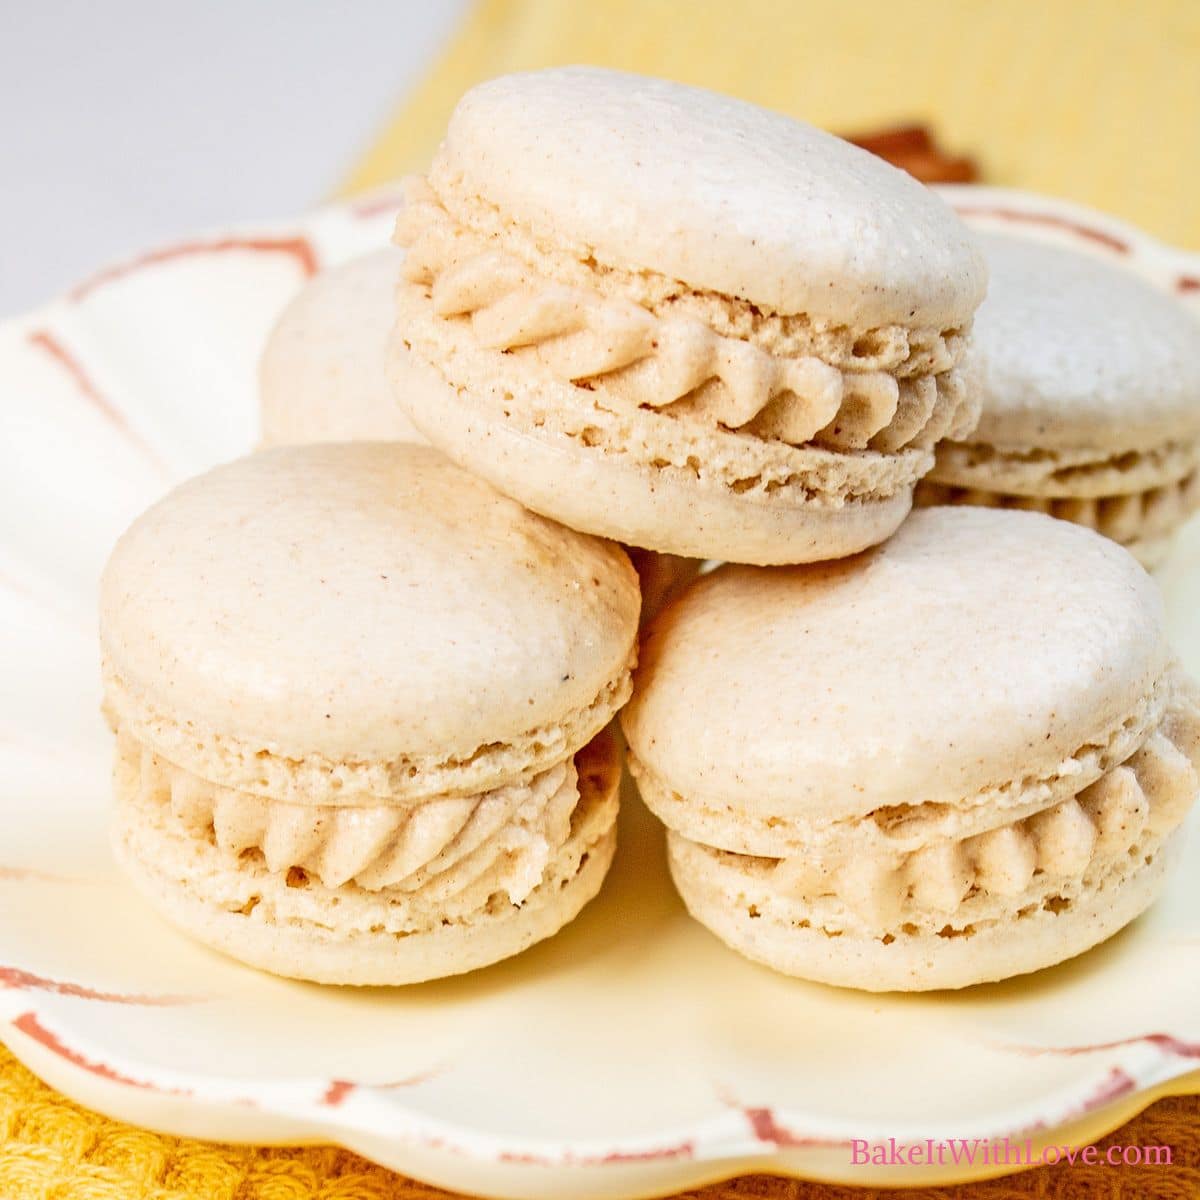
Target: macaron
point(961, 756)
point(322, 376)
point(681, 321)
point(360, 702)
point(1090, 386)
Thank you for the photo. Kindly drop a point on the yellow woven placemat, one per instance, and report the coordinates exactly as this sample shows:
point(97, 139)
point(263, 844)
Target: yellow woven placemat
point(1094, 100)
point(51, 1149)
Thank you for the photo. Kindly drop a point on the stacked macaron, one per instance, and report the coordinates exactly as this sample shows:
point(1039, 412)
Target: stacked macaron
point(359, 702)
point(361, 690)
point(678, 320)
point(905, 772)
point(1090, 382)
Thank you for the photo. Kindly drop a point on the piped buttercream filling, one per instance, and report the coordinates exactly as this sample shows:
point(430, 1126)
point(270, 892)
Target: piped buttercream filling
point(652, 343)
point(438, 849)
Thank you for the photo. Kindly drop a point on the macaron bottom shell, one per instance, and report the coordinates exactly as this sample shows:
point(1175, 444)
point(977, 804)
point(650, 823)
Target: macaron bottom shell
point(298, 928)
point(748, 919)
point(661, 508)
point(1144, 522)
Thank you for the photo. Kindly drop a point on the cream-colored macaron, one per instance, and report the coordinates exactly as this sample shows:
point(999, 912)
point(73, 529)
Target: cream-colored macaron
point(322, 376)
point(1091, 398)
point(360, 702)
point(960, 756)
point(678, 320)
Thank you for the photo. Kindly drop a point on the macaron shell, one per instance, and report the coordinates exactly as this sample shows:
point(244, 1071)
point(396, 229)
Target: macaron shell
point(1144, 522)
point(322, 377)
point(618, 497)
point(715, 192)
point(362, 601)
point(244, 912)
point(889, 832)
point(1026, 478)
point(1029, 942)
point(1076, 351)
point(974, 648)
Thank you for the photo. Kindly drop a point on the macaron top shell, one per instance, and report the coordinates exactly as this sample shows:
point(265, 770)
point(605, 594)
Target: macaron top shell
point(361, 601)
point(1075, 352)
point(974, 648)
point(720, 194)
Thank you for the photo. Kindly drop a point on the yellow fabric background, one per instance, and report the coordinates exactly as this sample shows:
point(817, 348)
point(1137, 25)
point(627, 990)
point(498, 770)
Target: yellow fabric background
point(50, 1149)
point(1094, 100)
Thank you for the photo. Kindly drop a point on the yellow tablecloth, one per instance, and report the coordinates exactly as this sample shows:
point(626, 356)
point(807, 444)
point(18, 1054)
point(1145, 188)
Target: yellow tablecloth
point(50, 1149)
point(1097, 100)
point(1094, 100)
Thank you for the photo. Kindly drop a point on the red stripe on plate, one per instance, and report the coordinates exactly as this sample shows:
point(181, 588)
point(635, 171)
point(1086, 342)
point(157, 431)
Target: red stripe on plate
point(1053, 221)
point(29, 1025)
point(47, 342)
point(298, 248)
point(19, 980)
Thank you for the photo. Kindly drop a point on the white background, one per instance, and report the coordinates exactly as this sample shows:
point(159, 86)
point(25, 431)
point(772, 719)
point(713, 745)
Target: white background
point(124, 123)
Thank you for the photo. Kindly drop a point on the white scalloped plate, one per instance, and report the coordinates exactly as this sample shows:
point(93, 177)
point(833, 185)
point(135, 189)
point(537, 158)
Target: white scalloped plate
point(629, 1056)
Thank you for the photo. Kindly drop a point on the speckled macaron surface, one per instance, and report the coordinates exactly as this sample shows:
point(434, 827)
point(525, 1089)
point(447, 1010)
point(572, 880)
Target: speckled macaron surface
point(323, 374)
point(354, 689)
point(960, 756)
point(676, 319)
point(1090, 388)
